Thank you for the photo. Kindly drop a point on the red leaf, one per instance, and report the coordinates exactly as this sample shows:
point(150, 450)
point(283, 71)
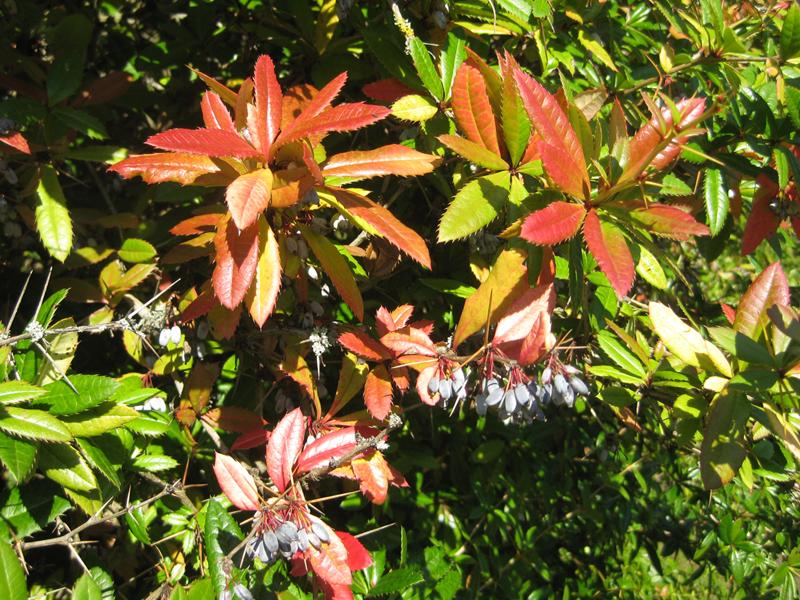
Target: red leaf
point(409, 340)
point(16, 141)
point(329, 563)
point(248, 196)
point(472, 108)
point(386, 90)
point(770, 287)
point(200, 306)
point(310, 107)
point(610, 250)
point(311, 164)
point(384, 224)
point(237, 257)
point(290, 185)
point(357, 556)
point(373, 477)
point(284, 447)
point(538, 341)
point(236, 483)
point(648, 138)
point(263, 293)
point(344, 117)
point(378, 393)
point(252, 438)
point(393, 159)
point(166, 166)
point(669, 221)
point(215, 113)
point(398, 318)
point(554, 128)
point(269, 105)
point(210, 142)
point(330, 446)
point(553, 224)
point(197, 224)
point(560, 169)
point(762, 222)
point(728, 311)
point(243, 109)
point(364, 346)
point(520, 316)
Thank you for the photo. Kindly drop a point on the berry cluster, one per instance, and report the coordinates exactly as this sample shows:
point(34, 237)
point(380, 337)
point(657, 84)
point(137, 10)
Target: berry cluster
point(560, 384)
point(450, 384)
point(286, 539)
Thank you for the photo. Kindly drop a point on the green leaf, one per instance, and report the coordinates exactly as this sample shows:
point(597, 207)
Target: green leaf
point(452, 55)
point(712, 14)
point(793, 104)
point(63, 464)
point(61, 348)
point(101, 154)
point(86, 588)
point(81, 121)
point(52, 217)
point(619, 354)
point(134, 250)
point(614, 373)
point(12, 577)
point(92, 391)
point(138, 525)
point(202, 589)
point(33, 424)
point(18, 456)
point(671, 185)
point(67, 42)
point(790, 33)
point(222, 534)
point(154, 463)
point(596, 50)
point(741, 346)
point(14, 392)
point(99, 420)
point(31, 507)
point(722, 452)
point(426, 70)
point(617, 396)
point(397, 581)
point(716, 198)
point(448, 286)
point(516, 124)
point(475, 205)
point(650, 269)
point(97, 458)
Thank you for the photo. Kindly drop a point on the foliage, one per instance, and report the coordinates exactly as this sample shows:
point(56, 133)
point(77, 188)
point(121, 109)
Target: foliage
point(525, 324)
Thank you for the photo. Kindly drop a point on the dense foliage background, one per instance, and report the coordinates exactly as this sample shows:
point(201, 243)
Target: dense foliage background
point(674, 476)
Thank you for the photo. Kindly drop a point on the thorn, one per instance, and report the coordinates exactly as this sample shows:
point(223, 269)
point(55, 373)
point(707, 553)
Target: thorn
point(19, 301)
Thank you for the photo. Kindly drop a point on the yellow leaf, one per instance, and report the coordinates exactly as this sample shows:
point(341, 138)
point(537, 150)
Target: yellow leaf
point(594, 46)
point(414, 108)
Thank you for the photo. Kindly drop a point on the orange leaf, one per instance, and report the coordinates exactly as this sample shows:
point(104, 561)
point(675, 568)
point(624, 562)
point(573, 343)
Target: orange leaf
point(523, 331)
point(241, 110)
point(263, 292)
point(555, 223)
point(669, 221)
point(373, 477)
point(770, 287)
point(609, 248)
point(16, 141)
point(344, 117)
point(409, 340)
point(211, 142)
point(248, 196)
point(215, 113)
point(473, 152)
point(335, 265)
point(227, 94)
point(233, 418)
point(393, 159)
point(284, 447)
point(364, 346)
point(472, 108)
point(224, 321)
point(553, 126)
point(165, 166)
point(383, 223)
point(310, 108)
point(398, 318)
point(378, 393)
point(197, 224)
point(290, 185)
point(269, 105)
point(236, 483)
point(329, 563)
point(506, 281)
point(237, 257)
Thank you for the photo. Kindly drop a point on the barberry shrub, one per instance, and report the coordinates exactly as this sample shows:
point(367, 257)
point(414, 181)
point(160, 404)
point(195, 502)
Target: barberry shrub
point(441, 300)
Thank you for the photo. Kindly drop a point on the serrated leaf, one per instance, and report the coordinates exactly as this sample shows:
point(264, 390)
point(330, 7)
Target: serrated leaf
point(514, 117)
point(473, 152)
point(68, 42)
point(619, 354)
point(12, 578)
point(784, 429)
point(609, 248)
point(762, 222)
point(14, 392)
point(86, 588)
point(335, 444)
point(671, 185)
point(396, 581)
point(92, 390)
point(32, 507)
point(392, 159)
point(52, 217)
point(97, 458)
point(284, 447)
point(207, 142)
point(686, 343)
point(556, 223)
point(378, 392)
point(595, 50)
point(263, 293)
point(18, 456)
point(475, 205)
point(236, 482)
point(770, 287)
point(268, 105)
point(166, 166)
point(790, 33)
point(336, 267)
point(61, 348)
point(650, 269)
point(669, 221)
point(215, 114)
point(152, 463)
point(33, 424)
point(248, 196)
point(472, 108)
point(343, 117)
point(716, 199)
point(413, 107)
point(426, 70)
point(134, 250)
point(221, 535)
point(99, 420)
point(452, 55)
point(63, 464)
point(237, 259)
